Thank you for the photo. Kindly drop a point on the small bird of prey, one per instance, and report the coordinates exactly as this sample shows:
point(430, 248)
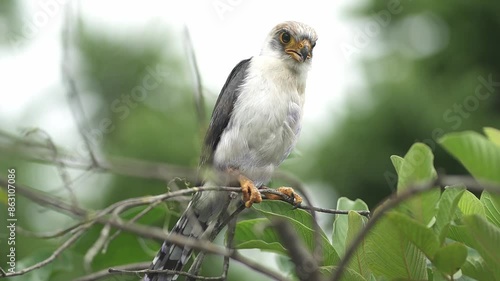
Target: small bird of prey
point(254, 127)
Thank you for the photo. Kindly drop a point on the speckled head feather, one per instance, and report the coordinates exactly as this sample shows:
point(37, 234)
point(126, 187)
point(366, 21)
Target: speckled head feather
point(299, 37)
point(297, 29)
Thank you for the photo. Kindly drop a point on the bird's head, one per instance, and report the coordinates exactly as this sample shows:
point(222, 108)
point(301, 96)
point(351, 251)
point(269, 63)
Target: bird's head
point(292, 42)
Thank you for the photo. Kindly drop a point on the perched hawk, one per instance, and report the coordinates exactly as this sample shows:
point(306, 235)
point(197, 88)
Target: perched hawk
point(254, 127)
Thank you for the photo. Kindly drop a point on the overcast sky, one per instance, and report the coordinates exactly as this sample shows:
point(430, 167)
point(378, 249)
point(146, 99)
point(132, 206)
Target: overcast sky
point(223, 33)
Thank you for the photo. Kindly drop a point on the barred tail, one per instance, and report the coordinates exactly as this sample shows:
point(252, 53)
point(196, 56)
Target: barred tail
point(206, 210)
point(174, 257)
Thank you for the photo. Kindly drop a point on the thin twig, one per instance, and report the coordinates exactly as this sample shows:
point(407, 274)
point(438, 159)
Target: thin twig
point(148, 232)
point(224, 220)
point(199, 99)
point(96, 247)
point(306, 266)
point(135, 218)
point(105, 273)
point(39, 152)
point(61, 168)
point(196, 266)
point(231, 231)
point(333, 211)
point(104, 238)
point(53, 256)
point(257, 267)
point(72, 89)
point(59, 233)
point(45, 200)
point(165, 271)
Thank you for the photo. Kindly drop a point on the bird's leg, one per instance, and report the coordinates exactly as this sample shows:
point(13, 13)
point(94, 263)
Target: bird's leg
point(287, 191)
point(250, 193)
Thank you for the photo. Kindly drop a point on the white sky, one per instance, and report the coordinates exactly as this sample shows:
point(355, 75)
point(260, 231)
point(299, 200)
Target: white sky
point(222, 37)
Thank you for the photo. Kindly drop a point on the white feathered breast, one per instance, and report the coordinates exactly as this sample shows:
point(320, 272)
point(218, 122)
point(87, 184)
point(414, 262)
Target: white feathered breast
point(265, 121)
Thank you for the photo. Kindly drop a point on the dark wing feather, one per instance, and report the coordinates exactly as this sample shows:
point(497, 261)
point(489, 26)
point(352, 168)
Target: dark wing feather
point(222, 110)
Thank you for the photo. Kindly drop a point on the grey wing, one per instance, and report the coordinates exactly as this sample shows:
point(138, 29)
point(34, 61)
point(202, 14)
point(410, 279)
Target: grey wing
point(222, 110)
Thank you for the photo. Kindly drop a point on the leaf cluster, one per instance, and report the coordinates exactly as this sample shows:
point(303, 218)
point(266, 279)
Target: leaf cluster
point(440, 234)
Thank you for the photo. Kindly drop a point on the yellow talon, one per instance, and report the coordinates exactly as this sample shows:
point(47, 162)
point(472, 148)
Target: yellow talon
point(287, 191)
point(250, 193)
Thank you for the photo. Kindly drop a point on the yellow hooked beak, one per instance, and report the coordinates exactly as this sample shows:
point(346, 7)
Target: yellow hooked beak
point(300, 51)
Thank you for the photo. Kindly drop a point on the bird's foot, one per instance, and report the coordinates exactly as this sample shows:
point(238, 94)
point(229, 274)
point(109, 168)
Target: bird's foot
point(288, 191)
point(251, 194)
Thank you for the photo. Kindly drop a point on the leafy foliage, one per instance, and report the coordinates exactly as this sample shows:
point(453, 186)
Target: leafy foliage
point(252, 233)
point(432, 236)
point(409, 95)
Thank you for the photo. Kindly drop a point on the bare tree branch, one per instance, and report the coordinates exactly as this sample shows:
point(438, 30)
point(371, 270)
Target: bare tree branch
point(334, 212)
point(96, 247)
point(176, 272)
point(199, 99)
point(297, 184)
point(306, 265)
point(39, 152)
point(52, 257)
point(135, 218)
point(59, 233)
point(148, 232)
point(231, 229)
point(105, 273)
point(72, 89)
point(110, 216)
point(61, 168)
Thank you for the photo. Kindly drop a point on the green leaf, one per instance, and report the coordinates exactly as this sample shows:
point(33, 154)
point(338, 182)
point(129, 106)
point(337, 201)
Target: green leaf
point(447, 207)
point(477, 269)
point(358, 260)
point(480, 156)
point(302, 221)
point(493, 135)
point(469, 204)
point(420, 235)
point(450, 258)
point(397, 162)
point(340, 225)
point(390, 254)
point(486, 240)
point(459, 233)
point(285, 210)
point(418, 167)
point(256, 234)
point(347, 275)
point(492, 207)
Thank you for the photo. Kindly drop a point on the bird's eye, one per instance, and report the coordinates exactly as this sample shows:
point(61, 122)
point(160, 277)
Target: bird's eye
point(285, 37)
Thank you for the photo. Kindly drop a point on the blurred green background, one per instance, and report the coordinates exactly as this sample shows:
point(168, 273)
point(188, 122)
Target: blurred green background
point(424, 68)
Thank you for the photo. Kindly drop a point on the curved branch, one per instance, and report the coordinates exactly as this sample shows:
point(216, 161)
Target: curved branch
point(52, 257)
